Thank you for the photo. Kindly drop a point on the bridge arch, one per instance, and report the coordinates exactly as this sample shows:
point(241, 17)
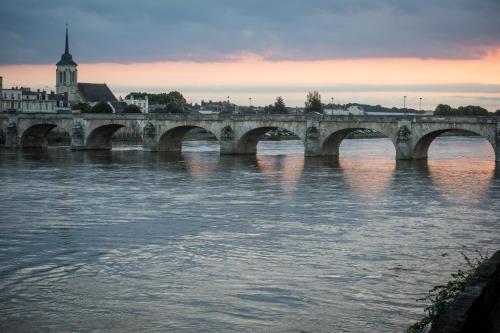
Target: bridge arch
point(247, 143)
point(171, 139)
point(330, 145)
point(36, 136)
point(100, 138)
point(423, 143)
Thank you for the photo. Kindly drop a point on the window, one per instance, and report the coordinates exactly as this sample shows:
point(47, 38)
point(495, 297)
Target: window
point(60, 77)
point(64, 77)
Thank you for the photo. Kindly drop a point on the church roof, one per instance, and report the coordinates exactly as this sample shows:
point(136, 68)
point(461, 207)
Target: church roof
point(66, 58)
point(95, 92)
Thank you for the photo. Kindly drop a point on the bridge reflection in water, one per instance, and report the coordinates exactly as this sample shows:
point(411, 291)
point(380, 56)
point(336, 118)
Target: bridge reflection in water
point(367, 168)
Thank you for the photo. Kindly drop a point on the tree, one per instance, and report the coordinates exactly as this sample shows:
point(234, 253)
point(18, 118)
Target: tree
point(136, 95)
point(269, 109)
point(313, 102)
point(175, 96)
point(132, 108)
point(174, 107)
point(443, 110)
point(83, 107)
point(101, 107)
point(497, 112)
point(279, 106)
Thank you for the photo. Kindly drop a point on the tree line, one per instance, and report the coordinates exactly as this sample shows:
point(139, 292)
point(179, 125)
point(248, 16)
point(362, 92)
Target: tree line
point(469, 110)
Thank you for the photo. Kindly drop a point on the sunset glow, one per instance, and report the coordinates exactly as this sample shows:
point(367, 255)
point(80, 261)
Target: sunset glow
point(371, 80)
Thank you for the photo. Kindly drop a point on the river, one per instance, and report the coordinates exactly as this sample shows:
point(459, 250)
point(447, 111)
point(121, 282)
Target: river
point(131, 241)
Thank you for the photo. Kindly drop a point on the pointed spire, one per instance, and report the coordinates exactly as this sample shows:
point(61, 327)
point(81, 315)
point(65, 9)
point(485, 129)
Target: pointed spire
point(66, 50)
point(66, 58)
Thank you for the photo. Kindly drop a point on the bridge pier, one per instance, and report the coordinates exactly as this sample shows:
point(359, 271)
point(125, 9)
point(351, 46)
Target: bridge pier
point(227, 141)
point(149, 138)
point(312, 144)
point(12, 134)
point(404, 147)
point(227, 147)
point(77, 135)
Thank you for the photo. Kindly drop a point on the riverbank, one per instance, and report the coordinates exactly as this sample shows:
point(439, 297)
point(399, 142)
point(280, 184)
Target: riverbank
point(477, 309)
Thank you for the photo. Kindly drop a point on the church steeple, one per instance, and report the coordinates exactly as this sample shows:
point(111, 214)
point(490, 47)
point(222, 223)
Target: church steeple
point(66, 74)
point(66, 58)
point(66, 50)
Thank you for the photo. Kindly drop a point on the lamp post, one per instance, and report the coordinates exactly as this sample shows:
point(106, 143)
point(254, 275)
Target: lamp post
point(404, 102)
point(420, 108)
point(250, 101)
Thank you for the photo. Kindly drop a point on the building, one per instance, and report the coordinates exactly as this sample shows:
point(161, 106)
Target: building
point(92, 93)
point(67, 75)
point(351, 110)
point(141, 102)
point(67, 83)
point(24, 100)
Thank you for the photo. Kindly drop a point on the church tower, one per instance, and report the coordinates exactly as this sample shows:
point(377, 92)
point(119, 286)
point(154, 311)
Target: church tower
point(66, 75)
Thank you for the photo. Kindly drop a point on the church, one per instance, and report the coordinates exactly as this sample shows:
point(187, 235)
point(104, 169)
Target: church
point(74, 92)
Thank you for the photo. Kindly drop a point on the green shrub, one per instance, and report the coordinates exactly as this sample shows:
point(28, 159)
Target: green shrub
point(442, 296)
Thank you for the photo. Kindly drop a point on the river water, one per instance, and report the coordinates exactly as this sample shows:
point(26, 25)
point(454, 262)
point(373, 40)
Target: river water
point(131, 241)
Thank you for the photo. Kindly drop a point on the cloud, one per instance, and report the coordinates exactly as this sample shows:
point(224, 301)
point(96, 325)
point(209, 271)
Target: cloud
point(467, 88)
point(129, 31)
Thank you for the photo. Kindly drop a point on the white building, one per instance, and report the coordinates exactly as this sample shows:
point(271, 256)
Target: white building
point(141, 102)
point(351, 110)
point(24, 100)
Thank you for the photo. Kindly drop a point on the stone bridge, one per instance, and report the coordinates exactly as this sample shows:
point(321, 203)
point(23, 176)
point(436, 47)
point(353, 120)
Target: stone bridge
point(239, 134)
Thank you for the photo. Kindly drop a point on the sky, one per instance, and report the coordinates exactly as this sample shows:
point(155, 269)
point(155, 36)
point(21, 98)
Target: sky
point(374, 52)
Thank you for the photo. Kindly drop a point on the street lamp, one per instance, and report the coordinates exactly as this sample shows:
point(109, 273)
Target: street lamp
point(420, 109)
point(250, 101)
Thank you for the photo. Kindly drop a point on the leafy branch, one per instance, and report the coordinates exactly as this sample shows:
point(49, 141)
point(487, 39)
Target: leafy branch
point(442, 296)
